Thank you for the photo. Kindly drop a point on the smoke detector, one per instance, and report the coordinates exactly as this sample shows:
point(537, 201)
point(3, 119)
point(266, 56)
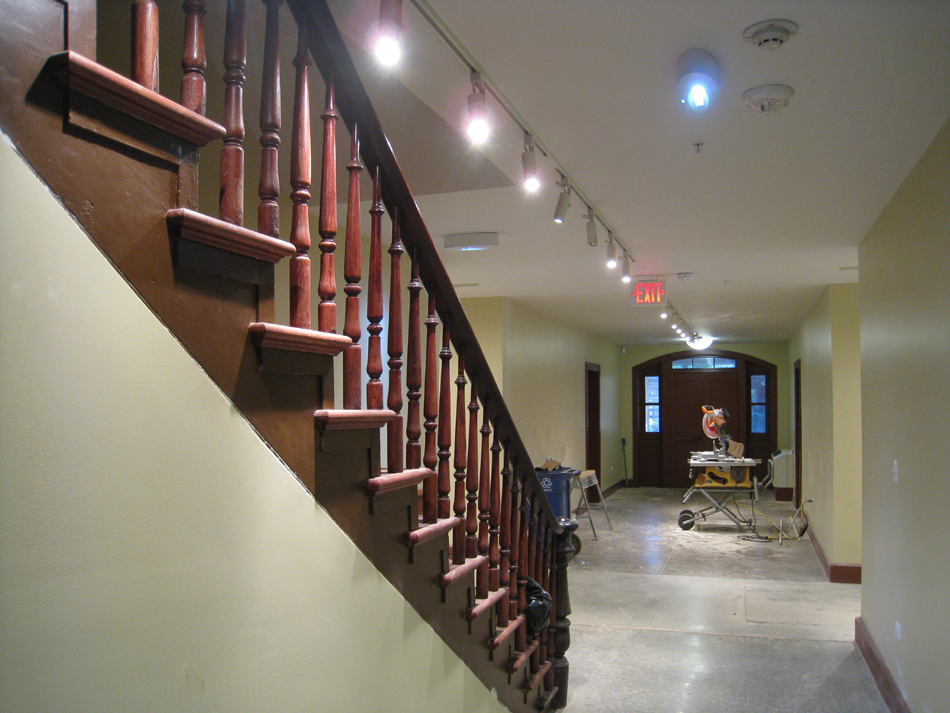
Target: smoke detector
point(769, 34)
point(768, 98)
point(684, 276)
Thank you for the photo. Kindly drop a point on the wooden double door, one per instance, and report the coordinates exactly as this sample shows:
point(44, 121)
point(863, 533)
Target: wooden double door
point(660, 455)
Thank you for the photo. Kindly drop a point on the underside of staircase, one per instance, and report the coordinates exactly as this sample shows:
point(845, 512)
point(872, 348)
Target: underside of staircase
point(458, 531)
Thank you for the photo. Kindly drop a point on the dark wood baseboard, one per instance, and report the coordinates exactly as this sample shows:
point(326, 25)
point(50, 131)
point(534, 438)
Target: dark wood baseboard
point(879, 671)
point(784, 495)
point(836, 573)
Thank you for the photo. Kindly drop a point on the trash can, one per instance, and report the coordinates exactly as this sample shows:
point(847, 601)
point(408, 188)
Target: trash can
point(557, 486)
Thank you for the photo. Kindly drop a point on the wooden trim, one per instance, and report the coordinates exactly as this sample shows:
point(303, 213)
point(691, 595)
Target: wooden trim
point(279, 336)
point(342, 420)
point(784, 495)
point(836, 573)
point(890, 691)
point(206, 230)
point(91, 79)
point(430, 532)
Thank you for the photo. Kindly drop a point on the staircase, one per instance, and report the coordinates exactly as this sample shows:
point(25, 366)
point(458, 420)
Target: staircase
point(456, 518)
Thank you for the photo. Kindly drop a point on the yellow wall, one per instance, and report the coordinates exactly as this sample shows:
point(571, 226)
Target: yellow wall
point(154, 553)
point(543, 381)
point(905, 342)
point(828, 344)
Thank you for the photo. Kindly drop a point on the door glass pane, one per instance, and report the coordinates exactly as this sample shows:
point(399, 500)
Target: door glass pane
point(652, 418)
point(722, 363)
point(758, 389)
point(682, 363)
point(651, 389)
point(758, 419)
point(703, 362)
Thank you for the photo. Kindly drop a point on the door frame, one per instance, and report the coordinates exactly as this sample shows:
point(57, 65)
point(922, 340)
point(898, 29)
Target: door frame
point(592, 440)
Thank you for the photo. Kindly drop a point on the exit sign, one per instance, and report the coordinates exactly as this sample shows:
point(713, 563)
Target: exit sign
point(649, 293)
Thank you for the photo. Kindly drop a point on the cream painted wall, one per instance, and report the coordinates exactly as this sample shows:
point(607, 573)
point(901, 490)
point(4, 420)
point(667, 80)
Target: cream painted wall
point(543, 381)
point(772, 352)
point(905, 343)
point(155, 555)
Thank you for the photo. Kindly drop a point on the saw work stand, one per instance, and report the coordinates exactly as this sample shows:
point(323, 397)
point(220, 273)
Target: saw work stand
point(719, 479)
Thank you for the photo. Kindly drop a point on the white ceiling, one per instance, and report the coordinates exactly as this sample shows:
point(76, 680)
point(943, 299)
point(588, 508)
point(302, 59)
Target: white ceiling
point(770, 211)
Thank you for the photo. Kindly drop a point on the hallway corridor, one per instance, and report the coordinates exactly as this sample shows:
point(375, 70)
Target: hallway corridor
point(705, 621)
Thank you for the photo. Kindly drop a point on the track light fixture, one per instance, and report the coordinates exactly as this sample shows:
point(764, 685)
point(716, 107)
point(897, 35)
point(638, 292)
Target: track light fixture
point(388, 46)
point(611, 250)
point(529, 165)
point(591, 227)
point(626, 268)
point(479, 126)
point(563, 200)
point(697, 77)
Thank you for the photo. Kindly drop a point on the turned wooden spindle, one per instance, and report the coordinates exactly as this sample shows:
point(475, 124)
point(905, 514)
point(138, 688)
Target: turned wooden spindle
point(352, 272)
point(504, 541)
point(414, 374)
point(484, 504)
point(471, 480)
point(268, 188)
point(145, 43)
point(458, 536)
point(300, 185)
point(429, 487)
point(231, 206)
point(326, 310)
point(551, 588)
point(523, 566)
point(514, 549)
point(494, 515)
point(394, 348)
point(374, 301)
point(445, 424)
point(194, 60)
point(545, 582)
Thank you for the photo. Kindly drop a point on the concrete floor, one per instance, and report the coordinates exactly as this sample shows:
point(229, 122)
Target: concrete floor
point(707, 621)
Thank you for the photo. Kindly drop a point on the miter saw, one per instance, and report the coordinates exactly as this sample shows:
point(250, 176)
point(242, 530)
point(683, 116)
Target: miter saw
point(714, 426)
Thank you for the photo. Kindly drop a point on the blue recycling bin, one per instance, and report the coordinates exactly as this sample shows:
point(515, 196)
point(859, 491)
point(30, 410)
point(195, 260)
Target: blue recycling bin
point(557, 486)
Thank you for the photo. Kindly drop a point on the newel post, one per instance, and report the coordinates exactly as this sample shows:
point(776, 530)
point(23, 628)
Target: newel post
point(562, 626)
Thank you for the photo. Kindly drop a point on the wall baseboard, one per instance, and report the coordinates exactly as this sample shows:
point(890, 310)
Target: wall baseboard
point(836, 573)
point(881, 674)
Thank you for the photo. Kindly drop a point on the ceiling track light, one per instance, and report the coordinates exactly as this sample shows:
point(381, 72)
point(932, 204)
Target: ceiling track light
point(697, 78)
point(563, 200)
point(591, 227)
point(388, 46)
point(529, 165)
point(478, 127)
point(611, 250)
point(626, 268)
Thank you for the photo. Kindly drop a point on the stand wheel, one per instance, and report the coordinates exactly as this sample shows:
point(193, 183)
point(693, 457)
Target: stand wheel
point(686, 520)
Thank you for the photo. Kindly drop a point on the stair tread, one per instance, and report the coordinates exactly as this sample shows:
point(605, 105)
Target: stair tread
point(226, 236)
point(387, 482)
point(296, 339)
point(92, 79)
point(344, 419)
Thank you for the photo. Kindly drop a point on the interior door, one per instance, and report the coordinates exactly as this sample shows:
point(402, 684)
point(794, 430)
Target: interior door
point(686, 393)
point(592, 457)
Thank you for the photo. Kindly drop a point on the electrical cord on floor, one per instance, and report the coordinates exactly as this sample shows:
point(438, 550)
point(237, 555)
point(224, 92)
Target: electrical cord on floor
point(782, 535)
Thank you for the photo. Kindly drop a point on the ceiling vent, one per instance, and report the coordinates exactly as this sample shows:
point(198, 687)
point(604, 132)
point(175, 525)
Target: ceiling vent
point(769, 34)
point(768, 98)
point(471, 241)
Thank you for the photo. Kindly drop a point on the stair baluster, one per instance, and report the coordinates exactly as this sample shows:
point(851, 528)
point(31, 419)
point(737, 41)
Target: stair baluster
point(268, 188)
point(460, 455)
point(494, 514)
point(414, 378)
point(429, 487)
point(326, 287)
point(352, 272)
point(300, 184)
point(374, 302)
point(232, 153)
point(471, 480)
point(145, 43)
point(445, 423)
point(194, 60)
point(505, 542)
point(394, 397)
point(484, 476)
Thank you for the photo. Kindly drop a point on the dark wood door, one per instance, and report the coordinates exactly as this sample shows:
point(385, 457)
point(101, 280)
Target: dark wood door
point(685, 395)
point(592, 457)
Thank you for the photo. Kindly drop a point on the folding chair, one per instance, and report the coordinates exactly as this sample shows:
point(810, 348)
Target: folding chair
point(582, 482)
